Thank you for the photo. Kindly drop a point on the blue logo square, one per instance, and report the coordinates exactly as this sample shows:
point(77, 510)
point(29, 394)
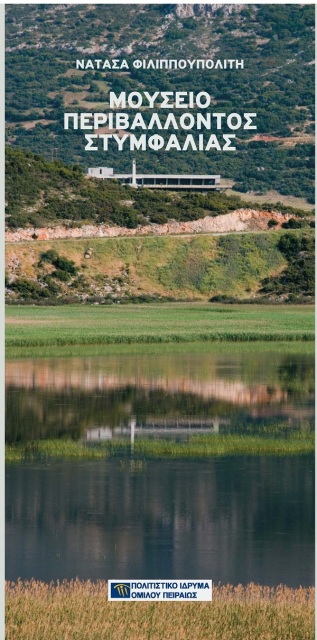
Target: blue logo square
point(120, 590)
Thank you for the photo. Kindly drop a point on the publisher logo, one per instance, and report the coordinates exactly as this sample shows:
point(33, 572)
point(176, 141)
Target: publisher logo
point(120, 591)
point(160, 590)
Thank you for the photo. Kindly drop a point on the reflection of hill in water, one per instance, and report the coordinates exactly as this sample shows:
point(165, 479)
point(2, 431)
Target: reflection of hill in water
point(55, 397)
point(241, 378)
point(43, 376)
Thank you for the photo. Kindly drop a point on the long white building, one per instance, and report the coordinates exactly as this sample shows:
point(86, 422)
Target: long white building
point(172, 181)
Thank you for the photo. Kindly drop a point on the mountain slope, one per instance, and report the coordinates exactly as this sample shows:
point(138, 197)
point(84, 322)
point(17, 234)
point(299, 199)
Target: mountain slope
point(275, 41)
point(41, 193)
point(277, 266)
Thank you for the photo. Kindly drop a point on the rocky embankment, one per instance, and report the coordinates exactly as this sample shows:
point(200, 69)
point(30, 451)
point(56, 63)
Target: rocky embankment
point(241, 220)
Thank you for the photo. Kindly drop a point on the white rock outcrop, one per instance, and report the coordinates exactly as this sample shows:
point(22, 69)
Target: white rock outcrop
point(239, 220)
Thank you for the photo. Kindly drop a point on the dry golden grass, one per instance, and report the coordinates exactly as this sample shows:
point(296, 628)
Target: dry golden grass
point(271, 196)
point(80, 611)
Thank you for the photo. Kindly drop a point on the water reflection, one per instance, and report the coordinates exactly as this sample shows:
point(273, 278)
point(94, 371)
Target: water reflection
point(233, 519)
point(102, 397)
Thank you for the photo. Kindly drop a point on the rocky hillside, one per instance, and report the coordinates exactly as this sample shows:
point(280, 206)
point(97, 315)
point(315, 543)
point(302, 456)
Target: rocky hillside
point(275, 41)
point(275, 266)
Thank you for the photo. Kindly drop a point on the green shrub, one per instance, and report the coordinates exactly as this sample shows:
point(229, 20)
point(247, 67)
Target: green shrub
point(64, 276)
point(297, 281)
point(28, 289)
point(48, 256)
point(292, 224)
point(52, 288)
point(223, 298)
point(63, 264)
point(158, 218)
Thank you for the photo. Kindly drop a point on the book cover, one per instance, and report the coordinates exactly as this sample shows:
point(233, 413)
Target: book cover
point(159, 340)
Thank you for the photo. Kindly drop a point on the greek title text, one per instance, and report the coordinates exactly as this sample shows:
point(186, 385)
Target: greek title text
point(175, 115)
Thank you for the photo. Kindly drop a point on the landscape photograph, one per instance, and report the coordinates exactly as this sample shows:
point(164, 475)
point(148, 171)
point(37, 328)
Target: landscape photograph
point(160, 290)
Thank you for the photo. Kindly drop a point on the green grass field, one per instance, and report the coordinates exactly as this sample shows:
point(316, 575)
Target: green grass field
point(150, 323)
point(80, 610)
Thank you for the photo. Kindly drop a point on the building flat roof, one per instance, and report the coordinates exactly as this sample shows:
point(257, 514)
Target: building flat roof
point(165, 175)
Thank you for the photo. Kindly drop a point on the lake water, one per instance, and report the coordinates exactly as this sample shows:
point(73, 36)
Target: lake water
point(233, 519)
point(162, 395)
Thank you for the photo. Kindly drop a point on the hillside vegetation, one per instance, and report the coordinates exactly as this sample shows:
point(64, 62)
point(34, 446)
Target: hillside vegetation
point(274, 266)
point(41, 193)
point(275, 41)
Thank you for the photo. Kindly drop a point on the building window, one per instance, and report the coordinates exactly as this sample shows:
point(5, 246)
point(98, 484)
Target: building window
point(172, 181)
point(100, 171)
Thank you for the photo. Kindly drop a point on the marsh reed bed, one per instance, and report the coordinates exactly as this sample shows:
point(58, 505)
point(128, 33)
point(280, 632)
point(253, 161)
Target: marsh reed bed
point(293, 347)
point(79, 610)
point(203, 446)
